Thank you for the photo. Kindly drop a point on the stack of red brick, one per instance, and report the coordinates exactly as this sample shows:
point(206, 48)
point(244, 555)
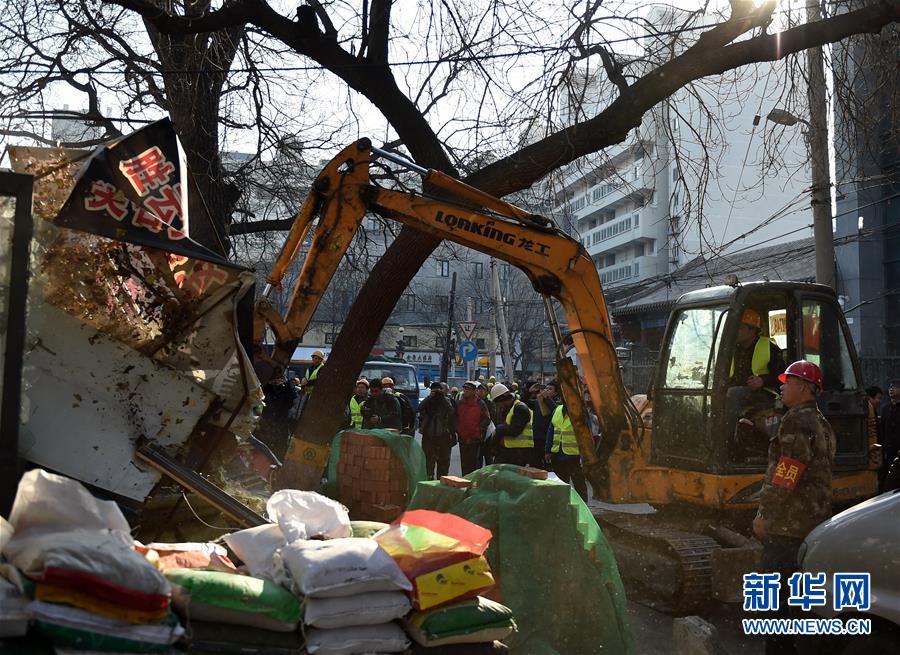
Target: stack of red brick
point(372, 482)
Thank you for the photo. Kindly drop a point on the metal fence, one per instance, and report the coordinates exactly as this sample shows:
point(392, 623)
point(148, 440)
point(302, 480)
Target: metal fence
point(637, 372)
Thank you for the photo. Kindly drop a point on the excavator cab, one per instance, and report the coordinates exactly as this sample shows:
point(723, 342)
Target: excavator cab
point(696, 425)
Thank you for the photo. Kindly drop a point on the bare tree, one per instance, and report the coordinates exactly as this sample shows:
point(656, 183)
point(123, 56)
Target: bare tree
point(439, 75)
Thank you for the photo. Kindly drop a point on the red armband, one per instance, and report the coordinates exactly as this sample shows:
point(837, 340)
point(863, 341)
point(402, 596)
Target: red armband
point(788, 472)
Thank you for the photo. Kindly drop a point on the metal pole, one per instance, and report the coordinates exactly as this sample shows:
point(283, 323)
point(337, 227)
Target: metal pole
point(470, 366)
point(819, 160)
point(445, 356)
point(500, 315)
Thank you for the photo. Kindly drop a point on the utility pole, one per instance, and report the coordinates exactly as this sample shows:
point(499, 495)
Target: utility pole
point(500, 314)
point(823, 232)
point(445, 356)
point(470, 366)
point(492, 341)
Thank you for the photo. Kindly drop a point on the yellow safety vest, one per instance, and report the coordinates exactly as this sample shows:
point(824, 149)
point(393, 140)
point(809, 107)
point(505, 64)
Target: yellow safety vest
point(356, 417)
point(311, 380)
point(762, 353)
point(563, 434)
point(524, 440)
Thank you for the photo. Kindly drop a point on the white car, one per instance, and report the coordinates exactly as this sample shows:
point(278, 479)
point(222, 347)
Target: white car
point(863, 538)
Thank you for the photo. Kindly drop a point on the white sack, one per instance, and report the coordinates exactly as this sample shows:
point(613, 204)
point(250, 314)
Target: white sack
point(385, 638)
point(52, 503)
point(255, 548)
point(341, 567)
point(104, 554)
point(306, 514)
point(372, 608)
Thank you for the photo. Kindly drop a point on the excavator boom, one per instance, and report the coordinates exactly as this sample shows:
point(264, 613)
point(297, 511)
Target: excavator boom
point(556, 264)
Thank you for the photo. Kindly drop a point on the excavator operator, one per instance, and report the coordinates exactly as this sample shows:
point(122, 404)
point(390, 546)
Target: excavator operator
point(755, 366)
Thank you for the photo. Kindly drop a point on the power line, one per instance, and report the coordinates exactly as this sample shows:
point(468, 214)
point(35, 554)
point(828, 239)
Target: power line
point(535, 50)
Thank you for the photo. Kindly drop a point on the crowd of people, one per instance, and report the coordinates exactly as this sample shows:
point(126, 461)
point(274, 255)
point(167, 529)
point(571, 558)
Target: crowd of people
point(490, 422)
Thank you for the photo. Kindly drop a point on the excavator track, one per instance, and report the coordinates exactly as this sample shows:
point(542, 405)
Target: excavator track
point(670, 568)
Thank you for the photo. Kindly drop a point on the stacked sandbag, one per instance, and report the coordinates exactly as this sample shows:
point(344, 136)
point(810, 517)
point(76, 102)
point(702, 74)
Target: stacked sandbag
point(233, 599)
point(91, 589)
point(188, 555)
point(13, 601)
point(443, 557)
point(213, 600)
point(353, 594)
point(462, 626)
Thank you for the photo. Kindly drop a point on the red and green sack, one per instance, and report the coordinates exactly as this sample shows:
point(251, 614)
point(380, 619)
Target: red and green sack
point(233, 599)
point(441, 554)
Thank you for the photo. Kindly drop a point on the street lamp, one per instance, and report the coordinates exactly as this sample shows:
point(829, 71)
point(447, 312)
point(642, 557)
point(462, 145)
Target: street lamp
point(401, 346)
point(817, 140)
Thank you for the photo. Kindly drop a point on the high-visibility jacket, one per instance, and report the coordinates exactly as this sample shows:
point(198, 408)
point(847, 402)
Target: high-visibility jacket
point(525, 439)
point(312, 377)
point(356, 417)
point(563, 434)
point(762, 354)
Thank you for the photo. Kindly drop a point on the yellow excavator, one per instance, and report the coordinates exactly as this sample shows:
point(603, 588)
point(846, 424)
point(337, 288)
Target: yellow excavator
point(671, 448)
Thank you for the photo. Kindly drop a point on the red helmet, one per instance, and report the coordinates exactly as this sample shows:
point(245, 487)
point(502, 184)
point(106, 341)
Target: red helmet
point(805, 371)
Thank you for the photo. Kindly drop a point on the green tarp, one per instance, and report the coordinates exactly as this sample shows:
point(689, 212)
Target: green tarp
point(556, 570)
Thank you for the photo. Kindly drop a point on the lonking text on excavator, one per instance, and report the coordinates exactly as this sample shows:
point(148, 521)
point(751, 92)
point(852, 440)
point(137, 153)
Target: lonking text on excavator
point(672, 448)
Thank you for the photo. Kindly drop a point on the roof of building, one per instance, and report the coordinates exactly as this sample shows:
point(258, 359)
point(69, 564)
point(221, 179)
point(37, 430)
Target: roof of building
point(793, 261)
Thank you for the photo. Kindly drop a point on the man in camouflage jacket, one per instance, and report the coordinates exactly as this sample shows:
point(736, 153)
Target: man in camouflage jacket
point(796, 493)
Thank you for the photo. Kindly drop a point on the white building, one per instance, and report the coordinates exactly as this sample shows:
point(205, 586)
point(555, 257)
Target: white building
point(704, 174)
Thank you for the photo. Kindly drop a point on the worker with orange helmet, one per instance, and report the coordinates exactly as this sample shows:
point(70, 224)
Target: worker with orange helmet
point(796, 493)
point(757, 360)
point(312, 372)
point(755, 366)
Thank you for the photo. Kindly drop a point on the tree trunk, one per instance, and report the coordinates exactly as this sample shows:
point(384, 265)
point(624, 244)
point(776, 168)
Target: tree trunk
point(324, 413)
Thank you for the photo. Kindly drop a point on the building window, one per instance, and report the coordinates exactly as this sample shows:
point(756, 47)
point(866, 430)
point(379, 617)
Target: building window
point(504, 271)
point(442, 303)
point(330, 337)
point(610, 260)
point(636, 219)
point(650, 248)
point(410, 340)
point(479, 270)
point(439, 343)
point(480, 344)
point(639, 250)
point(444, 267)
point(477, 305)
point(409, 302)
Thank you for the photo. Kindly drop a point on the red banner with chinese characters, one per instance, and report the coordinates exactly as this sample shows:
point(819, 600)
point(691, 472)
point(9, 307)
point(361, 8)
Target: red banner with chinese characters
point(135, 189)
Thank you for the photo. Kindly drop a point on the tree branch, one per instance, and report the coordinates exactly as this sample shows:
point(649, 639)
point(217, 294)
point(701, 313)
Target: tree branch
point(379, 31)
point(523, 168)
point(266, 225)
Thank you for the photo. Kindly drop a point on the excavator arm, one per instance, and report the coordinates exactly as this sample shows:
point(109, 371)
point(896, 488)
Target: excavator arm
point(556, 264)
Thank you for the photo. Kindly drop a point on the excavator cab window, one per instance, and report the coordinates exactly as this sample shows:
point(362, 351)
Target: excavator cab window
point(683, 399)
point(825, 342)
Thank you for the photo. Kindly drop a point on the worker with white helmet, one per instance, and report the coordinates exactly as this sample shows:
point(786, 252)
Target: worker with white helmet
point(513, 440)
